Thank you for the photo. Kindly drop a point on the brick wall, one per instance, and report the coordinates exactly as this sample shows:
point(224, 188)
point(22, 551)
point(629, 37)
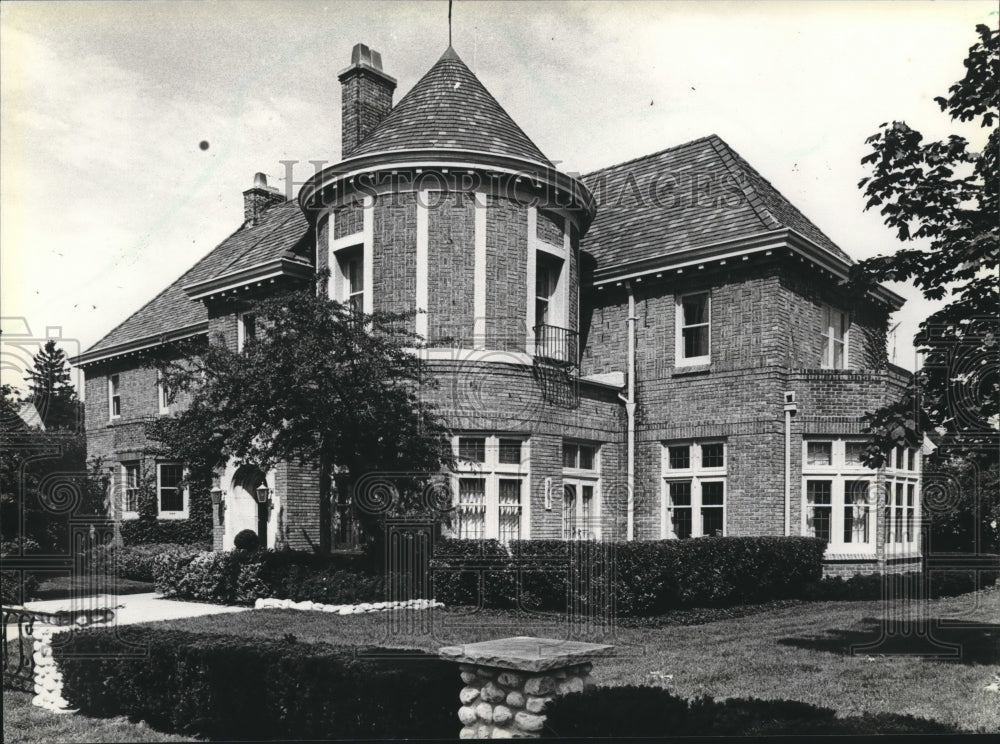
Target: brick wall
point(366, 99)
point(549, 227)
point(506, 273)
point(348, 220)
point(451, 259)
point(394, 273)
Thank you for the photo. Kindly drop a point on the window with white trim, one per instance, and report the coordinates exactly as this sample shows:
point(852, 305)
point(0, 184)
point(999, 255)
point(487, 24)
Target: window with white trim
point(581, 491)
point(547, 271)
point(130, 490)
point(902, 500)
point(835, 331)
point(349, 284)
point(694, 489)
point(162, 393)
point(693, 324)
point(114, 396)
point(171, 496)
point(838, 495)
point(490, 486)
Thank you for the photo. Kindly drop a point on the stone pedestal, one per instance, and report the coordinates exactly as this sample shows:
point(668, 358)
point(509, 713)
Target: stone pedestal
point(510, 681)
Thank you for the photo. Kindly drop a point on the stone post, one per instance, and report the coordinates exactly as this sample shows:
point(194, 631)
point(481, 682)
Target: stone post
point(510, 681)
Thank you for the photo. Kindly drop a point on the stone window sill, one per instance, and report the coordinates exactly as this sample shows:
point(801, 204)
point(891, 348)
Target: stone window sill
point(694, 369)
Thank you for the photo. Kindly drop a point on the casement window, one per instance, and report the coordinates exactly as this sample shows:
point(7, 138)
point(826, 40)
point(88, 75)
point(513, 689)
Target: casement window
point(693, 323)
point(130, 490)
point(349, 282)
point(171, 496)
point(835, 330)
point(114, 396)
point(838, 495)
point(490, 486)
point(162, 393)
point(581, 491)
point(694, 489)
point(246, 329)
point(902, 500)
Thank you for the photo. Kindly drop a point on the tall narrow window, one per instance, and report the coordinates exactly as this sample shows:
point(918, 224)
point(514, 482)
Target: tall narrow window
point(856, 511)
point(246, 330)
point(510, 508)
point(130, 479)
point(694, 329)
point(350, 262)
point(835, 329)
point(712, 503)
point(170, 494)
point(471, 508)
point(679, 509)
point(162, 393)
point(581, 491)
point(547, 269)
point(114, 396)
point(819, 508)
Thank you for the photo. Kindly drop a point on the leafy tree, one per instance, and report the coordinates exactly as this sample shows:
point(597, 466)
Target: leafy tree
point(51, 391)
point(319, 385)
point(945, 195)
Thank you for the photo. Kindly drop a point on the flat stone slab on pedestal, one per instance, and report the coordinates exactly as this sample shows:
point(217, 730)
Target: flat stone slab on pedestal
point(525, 653)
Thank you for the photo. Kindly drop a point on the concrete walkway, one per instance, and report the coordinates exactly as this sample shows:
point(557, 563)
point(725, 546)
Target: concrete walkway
point(131, 608)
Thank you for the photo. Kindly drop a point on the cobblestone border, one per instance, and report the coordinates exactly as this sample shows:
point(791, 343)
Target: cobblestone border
point(272, 603)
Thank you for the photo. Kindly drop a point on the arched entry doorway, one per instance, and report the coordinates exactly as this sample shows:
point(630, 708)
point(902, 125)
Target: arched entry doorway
point(243, 512)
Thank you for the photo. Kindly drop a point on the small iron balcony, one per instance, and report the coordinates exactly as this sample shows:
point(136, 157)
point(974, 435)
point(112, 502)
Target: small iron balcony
point(557, 345)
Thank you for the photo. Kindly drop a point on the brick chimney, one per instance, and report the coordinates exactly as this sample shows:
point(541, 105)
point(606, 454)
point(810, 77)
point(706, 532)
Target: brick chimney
point(259, 199)
point(366, 96)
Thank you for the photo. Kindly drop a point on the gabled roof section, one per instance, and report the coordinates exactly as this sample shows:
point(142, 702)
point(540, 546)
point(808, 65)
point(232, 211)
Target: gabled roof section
point(281, 228)
point(696, 194)
point(449, 109)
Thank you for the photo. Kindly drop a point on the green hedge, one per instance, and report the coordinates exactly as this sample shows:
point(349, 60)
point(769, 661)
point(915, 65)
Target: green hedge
point(241, 577)
point(225, 687)
point(640, 578)
point(936, 583)
point(618, 712)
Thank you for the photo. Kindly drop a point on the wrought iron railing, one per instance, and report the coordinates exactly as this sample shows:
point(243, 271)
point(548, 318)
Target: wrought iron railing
point(18, 649)
point(558, 345)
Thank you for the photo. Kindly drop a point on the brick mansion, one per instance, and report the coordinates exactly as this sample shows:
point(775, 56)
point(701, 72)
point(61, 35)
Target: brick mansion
point(660, 349)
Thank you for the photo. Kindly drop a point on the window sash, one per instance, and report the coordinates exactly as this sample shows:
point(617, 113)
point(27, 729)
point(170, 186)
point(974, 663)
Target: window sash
point(130, 481)
point(114, 396)
point(170, 494)
point(694, 313)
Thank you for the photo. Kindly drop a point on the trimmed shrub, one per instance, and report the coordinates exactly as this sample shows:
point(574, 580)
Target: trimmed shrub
point(241, 577)
point(226, 687)
point(933, 584)
point(645, 578)
point(470, 572)
point(246, 540)
point(618, 712)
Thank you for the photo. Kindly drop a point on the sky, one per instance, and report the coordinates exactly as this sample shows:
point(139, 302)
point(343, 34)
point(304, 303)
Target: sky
point(107, 193)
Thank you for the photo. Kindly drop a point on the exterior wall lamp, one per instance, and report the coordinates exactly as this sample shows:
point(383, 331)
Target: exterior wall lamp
point(217, 504)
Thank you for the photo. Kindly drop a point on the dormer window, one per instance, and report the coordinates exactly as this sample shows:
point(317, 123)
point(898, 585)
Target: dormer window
point(835, 330)
point(693, 329)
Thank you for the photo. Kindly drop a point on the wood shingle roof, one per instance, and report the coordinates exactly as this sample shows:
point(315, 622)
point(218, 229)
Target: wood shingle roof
point(696, 194)
point(449, 109)
point(280, 229)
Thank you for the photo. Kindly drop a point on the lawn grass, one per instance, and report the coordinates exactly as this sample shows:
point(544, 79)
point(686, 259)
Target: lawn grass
point(24, 723)
point(795, 652)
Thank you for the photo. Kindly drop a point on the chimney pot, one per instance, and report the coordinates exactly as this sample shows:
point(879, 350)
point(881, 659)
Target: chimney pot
point(259, 181)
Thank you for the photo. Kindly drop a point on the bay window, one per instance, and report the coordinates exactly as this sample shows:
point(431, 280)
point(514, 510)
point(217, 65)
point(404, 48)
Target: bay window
point(902, 496)
point(838, 495)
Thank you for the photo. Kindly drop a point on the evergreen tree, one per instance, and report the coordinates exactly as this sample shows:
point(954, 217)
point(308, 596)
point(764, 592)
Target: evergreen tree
point(51, 390)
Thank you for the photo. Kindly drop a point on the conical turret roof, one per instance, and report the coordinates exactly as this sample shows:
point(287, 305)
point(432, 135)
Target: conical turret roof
point(449, 109)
